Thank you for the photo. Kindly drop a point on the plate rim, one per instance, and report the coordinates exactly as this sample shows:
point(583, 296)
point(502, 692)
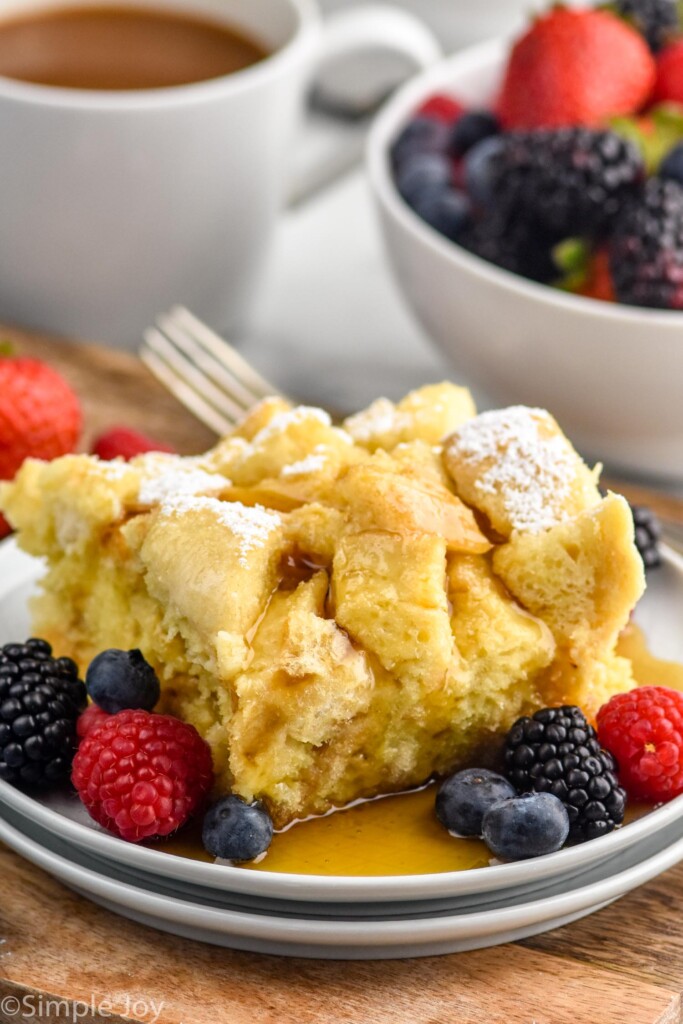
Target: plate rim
point(322, 888)
point(366, 933)
point(335, 911)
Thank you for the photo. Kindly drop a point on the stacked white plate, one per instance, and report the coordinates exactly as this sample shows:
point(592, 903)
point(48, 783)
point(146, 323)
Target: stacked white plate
point(350, 918)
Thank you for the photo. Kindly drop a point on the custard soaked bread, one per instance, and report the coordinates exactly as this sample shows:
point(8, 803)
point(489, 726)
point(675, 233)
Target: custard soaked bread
point(343, 612)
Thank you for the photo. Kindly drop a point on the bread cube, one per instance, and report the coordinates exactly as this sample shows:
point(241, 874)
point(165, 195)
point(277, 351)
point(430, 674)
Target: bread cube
point(516, 467)
point(429, 414)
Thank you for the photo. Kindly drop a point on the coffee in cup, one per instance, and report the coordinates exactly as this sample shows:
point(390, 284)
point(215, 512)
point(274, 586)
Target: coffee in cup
point(121, 48)
point(124, 192)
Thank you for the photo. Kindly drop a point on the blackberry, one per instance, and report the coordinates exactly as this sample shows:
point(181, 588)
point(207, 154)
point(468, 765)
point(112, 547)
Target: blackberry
point(513, 243)
point(41, 698)
point(656, 20)
point(648, 533)
point(558, 752)
point(571, 181)
point(646, 247)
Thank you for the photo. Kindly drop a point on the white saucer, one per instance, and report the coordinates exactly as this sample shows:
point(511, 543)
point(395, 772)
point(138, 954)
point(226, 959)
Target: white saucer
point(340, 938)
point(53, 815)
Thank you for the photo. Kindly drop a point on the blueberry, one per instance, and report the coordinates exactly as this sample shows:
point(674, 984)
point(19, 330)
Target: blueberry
point(464, 798)
point(446, 209)
point(480, 169)
point(526, 826)
point(470, 129)
point(236, 830)
point(117, 680)
point(672, 165)
point(422, 173)
point(421, 135)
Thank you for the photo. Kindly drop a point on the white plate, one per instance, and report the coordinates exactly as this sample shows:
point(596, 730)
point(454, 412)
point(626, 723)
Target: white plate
point(659, 613)
point(296, 935)
point(349, 910)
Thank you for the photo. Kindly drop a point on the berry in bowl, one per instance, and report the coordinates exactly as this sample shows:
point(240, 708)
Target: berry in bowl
point(531, 199)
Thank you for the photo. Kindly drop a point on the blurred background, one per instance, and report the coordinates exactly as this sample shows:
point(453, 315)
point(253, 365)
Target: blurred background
point(459, 23)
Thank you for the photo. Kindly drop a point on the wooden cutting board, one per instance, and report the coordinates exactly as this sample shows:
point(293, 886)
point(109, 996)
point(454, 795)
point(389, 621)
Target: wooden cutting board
point(64, 959)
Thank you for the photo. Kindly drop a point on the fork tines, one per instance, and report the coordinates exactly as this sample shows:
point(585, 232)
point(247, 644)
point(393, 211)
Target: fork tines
point(202, 370)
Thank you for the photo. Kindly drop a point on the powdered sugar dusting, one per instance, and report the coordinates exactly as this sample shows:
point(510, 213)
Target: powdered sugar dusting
point(114, 470)
point(382, 417)
point(533, 466)
point(250, 526)
point(181, 478)
point(311, 464)
point(283, 420)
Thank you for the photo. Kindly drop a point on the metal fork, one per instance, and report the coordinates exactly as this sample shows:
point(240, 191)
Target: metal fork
point(202, 370)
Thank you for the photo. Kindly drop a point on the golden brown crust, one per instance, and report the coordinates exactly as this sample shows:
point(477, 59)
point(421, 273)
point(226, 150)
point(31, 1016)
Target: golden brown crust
point(343, 617)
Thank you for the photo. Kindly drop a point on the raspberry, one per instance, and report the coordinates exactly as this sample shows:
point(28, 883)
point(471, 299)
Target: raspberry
point(643, 729)
point(441, 108)
point(124, 443)
point(5, 528)
point(142, 775)
point(669, 84)
point(90, 719)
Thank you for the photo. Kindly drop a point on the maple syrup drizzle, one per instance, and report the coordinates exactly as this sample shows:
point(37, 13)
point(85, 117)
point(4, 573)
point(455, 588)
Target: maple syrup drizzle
point(648, 670)
point(399, 834)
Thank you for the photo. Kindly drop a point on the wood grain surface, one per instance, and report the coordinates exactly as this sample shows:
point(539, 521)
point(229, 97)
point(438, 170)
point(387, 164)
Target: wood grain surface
point(64, 959)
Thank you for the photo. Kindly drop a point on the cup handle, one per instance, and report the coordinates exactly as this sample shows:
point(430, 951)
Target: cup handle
point(388, 45)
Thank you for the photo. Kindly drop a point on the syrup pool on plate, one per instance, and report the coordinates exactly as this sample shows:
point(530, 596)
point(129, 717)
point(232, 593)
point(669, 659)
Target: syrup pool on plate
point(399, 835)
point(648, 670)
point(390, 835)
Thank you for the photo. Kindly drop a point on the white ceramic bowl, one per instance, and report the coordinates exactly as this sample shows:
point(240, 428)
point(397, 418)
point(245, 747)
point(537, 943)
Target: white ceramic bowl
point(611, 374)
point(461, 22)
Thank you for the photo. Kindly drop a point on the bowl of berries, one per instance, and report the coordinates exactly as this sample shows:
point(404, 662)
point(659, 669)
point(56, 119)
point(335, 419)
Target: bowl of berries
point(531, 200)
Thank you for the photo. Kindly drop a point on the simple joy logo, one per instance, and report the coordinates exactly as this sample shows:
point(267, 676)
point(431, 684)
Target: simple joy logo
point(29, 1007)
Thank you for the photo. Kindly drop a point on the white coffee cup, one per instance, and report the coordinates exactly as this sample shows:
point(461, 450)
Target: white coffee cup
point(115, 205)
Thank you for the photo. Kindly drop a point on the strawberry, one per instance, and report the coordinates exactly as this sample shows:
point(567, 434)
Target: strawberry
point(124, 443)
point(40, 416)
point(5, 528)
point(669, 84)
point(575, 67)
